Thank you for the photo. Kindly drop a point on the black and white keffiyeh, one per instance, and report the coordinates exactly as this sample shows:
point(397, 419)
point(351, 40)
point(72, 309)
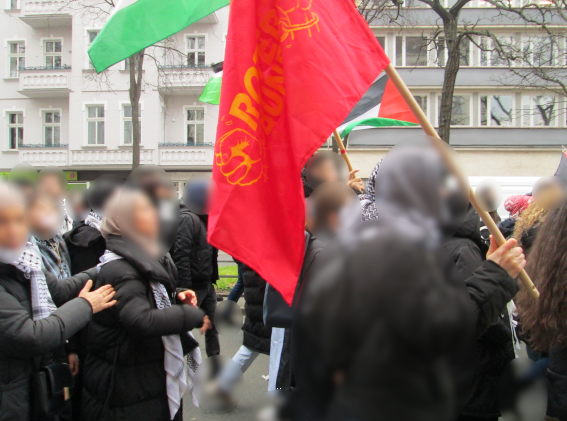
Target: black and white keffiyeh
point(177, 380)
point(29, 263)
point(367, 199)
point(93, 220)
point(67, 221)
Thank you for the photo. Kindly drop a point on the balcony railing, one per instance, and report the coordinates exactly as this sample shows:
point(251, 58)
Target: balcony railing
point(38, 81)
point(186, 78)
point(181, 156)
point(41, 145)
point(63, 67)
point(109, 157)
point(183, 145)
point(42, 156)
point(44, 7)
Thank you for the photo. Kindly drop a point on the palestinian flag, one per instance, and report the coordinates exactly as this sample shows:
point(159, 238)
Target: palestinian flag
point(381, 106)
point(136, 24)
point(211, 93)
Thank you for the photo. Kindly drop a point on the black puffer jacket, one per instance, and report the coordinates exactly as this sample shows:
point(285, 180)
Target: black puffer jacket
point(466, 247)
point(194, 257)
point(557, 383)
point(495, 347)
point(22, 340)
point(257, 336)
point(126, 354)
point(85, 245)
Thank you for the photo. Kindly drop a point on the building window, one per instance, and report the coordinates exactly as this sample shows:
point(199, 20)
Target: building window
point(91, 35)
point(497, 110)
point(422, 101)
point(52, 128)
point(382, 42)
point(541, 51)
point(127, 62)
point(461, 110)
point(411, 51)
point(15, 130)
point(538, 111)
point(17, 57)
point(52, 52)
point(95, 124)
point(493, 54)
point(196, 51)
point(128, 133)
point(195, 127)
point(14, 4)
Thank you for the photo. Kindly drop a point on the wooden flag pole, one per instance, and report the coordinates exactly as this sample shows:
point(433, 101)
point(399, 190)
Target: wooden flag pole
point(442, 148)
point(342, 149)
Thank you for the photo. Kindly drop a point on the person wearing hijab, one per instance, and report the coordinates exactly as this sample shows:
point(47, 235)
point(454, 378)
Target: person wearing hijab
point(38, 313)
point(134, 369)
point(85, 241)
point(385, 327)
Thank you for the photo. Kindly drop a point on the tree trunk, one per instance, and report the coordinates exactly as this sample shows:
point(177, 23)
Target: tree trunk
point(136, 62)
point(449, 78)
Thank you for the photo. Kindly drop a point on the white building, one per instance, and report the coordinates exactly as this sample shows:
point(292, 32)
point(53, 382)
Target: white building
point(57, 111)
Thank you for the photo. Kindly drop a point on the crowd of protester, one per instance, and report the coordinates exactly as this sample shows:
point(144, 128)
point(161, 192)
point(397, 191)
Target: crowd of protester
point(403, 309)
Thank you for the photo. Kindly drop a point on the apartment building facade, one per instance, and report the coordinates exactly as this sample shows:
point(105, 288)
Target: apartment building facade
point(57, 111)
point(501, 127)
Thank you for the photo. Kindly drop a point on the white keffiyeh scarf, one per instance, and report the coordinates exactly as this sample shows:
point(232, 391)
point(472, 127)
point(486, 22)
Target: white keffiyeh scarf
point(93, 220)
point(177, 380)
point(367, 199)
point(29, 263)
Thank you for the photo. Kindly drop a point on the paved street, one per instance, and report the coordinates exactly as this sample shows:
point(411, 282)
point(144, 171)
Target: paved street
point(251, 390)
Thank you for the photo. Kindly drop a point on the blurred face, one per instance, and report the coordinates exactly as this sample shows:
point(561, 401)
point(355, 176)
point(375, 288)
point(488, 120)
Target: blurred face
point(51, 186)
point(43, 220)
point(13, 229)
point(145, 218)
point(325, 171)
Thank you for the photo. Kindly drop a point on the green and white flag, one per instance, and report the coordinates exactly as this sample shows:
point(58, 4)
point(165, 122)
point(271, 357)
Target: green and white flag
point(211, 93)
point(136, 24)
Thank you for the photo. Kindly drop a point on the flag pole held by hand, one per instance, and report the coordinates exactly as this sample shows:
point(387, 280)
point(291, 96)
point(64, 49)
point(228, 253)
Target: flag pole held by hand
point(441, 147)
point(342, 149)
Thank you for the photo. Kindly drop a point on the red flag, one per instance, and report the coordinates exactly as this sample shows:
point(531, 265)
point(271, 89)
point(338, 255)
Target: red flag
point(293, 70)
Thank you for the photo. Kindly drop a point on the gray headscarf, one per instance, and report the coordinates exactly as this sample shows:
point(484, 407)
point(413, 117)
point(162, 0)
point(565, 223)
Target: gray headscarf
point(409, 188)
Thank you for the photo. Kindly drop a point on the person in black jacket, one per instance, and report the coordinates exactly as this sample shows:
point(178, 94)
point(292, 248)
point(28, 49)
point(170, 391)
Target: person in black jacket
point(495, 348)
point(195, 258)
point(134, 367)
point(85, 242)
point(38, 313)
point(386, 326)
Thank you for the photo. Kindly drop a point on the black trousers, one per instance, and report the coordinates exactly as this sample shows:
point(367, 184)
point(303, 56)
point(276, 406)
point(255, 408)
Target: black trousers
point(207, 301)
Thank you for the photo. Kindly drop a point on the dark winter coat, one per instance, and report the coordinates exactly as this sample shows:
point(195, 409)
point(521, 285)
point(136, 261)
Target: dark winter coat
point(194, 257)
point(23, 341)
point(257, 336)
point(495, 347)
point(285, 371)
point(386, 326)
point(85, 245)
point(557, 383)
point(125, 363)
point(400, 330)
point(507, 227)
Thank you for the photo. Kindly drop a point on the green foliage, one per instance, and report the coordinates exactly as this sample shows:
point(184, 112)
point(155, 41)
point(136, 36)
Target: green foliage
point(226, 284)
